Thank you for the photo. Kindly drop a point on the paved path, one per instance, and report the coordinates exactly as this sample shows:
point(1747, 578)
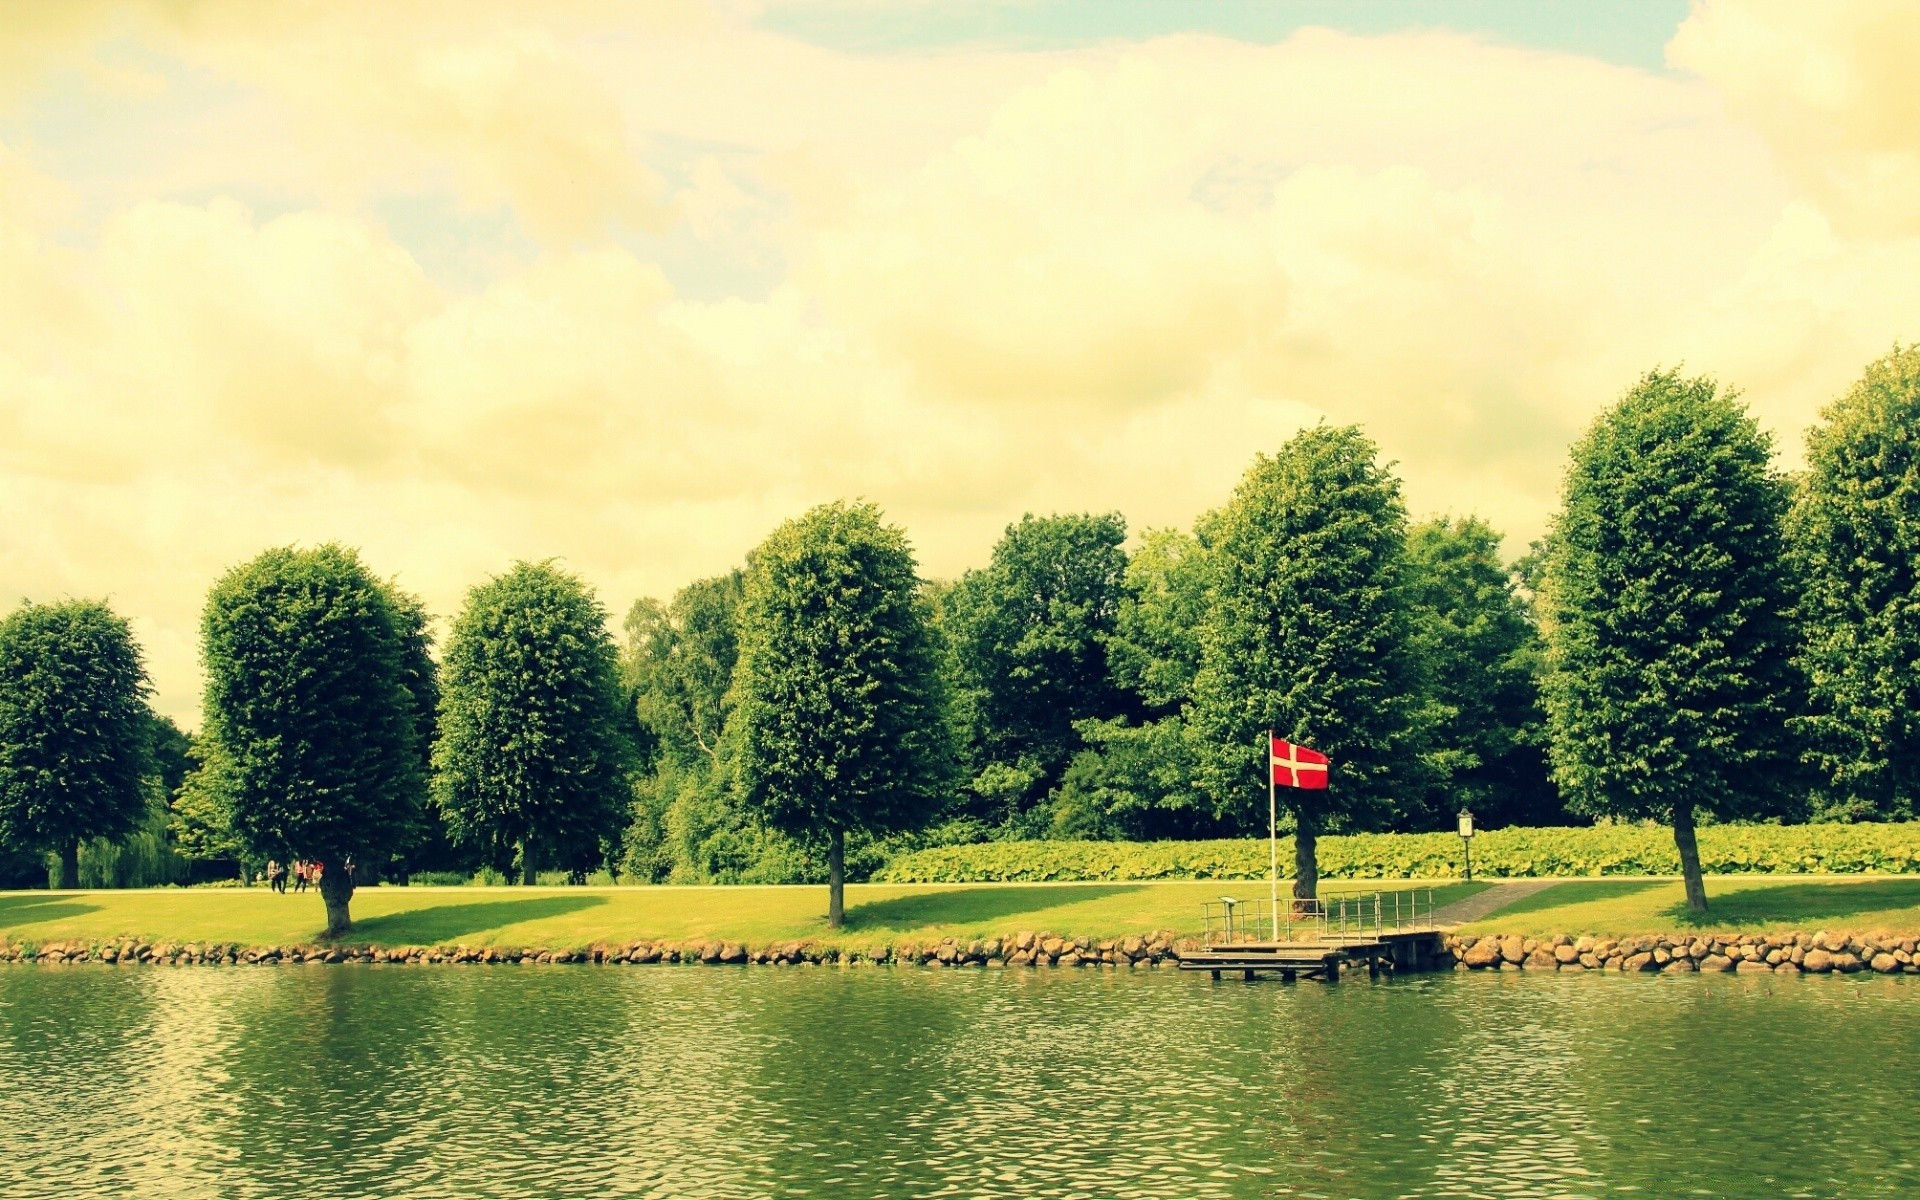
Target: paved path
point(1488, 900)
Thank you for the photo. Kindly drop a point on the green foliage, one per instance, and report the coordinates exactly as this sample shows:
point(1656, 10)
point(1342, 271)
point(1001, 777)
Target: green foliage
point(311, 746)
point(535, 744)
point(1515, 852)
point(1855, 528)
point(145, 857)
point(1664, 599)
point(1029, 633)
point(1133, 781)
point(75, 730)
point(678, 665)
point(1155, 645)
point(1480, 656)
point(1307, 633)
point(201, 823)
point(838, 703)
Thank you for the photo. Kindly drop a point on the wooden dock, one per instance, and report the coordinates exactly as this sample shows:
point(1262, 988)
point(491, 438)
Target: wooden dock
point(1396, 951)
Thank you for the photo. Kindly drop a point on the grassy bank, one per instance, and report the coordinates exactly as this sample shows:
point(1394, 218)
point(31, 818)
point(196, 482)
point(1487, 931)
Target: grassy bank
point(1623, 907)
point(576, 917)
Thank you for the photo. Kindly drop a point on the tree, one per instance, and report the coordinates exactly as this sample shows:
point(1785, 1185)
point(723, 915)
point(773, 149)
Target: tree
point(75, 729)
point(312, 746)
point(1030, 632)
point(1664, 605)
point(837, 696)
point(1855, 526)
point(1307, 635)
point(678, 664)
point(1481, 655)
point(430, 848)
point(1137, 780)
point(536, 750)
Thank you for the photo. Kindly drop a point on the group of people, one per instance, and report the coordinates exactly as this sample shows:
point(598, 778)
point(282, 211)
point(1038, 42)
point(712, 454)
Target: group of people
point(304, 874)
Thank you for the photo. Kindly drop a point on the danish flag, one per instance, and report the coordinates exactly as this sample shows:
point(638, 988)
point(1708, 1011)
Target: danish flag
point(1297, 766)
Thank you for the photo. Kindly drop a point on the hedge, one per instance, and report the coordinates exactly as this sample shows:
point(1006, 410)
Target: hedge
point(1595, 850)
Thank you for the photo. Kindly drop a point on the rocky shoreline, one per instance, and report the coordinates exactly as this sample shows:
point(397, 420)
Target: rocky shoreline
point(1024, 949)
point(1779, 953)
point(1776, 953)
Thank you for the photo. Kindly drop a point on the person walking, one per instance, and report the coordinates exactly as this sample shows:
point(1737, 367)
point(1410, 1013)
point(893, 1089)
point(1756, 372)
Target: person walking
point(299, 875)
point(276, 877)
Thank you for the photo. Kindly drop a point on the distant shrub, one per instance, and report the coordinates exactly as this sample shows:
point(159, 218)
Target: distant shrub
point(440, 879)
point(1596, 850)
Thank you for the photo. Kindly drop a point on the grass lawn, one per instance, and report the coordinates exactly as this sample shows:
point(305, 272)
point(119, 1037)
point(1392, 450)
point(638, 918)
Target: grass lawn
point(1743, 904)
point(573, 917)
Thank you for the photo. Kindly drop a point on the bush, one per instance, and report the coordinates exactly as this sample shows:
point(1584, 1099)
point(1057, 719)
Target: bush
point(1596, 850)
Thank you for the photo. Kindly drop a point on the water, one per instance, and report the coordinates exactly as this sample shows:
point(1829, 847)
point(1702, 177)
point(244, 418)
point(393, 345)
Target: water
point(405, 1082)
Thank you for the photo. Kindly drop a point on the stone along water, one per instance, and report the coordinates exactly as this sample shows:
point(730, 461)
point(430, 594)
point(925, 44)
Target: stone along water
point(319, 1082)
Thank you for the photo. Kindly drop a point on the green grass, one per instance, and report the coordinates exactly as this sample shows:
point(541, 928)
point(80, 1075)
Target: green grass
point(1749, 904)
point(574, 917)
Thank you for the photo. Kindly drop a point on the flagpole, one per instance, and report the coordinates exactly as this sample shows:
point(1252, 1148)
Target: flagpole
point(1273, 846)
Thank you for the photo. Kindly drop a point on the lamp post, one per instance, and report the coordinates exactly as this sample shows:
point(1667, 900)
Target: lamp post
point(1466, 840)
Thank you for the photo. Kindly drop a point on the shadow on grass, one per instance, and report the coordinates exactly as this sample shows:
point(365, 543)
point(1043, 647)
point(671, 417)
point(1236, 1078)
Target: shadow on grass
point(1575, 891)
point(447, 922)
point(963, 906)
point(30, 910)
point(1806, 903)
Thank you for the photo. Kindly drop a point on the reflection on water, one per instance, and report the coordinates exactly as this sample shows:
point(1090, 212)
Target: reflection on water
point(319, 1082)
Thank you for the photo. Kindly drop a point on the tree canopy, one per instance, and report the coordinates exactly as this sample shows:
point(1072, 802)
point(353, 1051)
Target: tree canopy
point(1480, 654)
point(1308, 634)
point(1855, 527)
point(837, 695)
point(1665, 600)
point(313, 743)
point(1030, 633)
point(76, 735)
point(535, 752)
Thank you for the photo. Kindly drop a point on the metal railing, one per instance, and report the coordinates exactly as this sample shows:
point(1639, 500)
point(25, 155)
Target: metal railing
point(1339, 918)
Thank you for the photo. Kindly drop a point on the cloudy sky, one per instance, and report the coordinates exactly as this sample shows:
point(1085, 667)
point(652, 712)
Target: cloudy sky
point(626, 284)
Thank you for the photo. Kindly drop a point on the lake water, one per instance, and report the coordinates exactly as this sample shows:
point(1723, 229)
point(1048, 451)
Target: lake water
point(344, 1081)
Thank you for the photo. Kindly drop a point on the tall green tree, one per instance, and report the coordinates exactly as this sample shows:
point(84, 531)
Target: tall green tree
point(1136, 779)
point(1481, 657)
point(1664, 605)
point(536, 751)
point(1855, 532)
point(312, 742)
point(75, 730)
point(837, 696)
point(1308, 634)
point(678, 663)
point(1030, 631)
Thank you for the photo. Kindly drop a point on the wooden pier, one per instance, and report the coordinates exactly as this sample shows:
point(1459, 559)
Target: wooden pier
point(1393, 933)
point(1398, 951)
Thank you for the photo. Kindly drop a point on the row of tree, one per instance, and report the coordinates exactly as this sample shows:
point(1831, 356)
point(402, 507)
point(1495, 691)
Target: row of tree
point(1698, 634)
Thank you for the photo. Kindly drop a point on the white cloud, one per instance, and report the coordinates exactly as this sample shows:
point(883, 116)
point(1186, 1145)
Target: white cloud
point(988, 282)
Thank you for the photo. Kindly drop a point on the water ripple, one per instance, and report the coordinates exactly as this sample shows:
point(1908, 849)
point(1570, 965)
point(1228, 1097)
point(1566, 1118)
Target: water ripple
point(408, 1083)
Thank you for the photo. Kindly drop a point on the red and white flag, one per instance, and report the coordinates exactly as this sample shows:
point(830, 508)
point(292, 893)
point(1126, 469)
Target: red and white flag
point(1297, 766)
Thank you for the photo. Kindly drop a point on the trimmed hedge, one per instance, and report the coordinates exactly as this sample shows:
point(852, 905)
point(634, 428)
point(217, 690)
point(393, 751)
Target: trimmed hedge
point(1596, 850)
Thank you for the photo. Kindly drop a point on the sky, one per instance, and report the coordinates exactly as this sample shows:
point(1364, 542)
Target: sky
point(625, 285)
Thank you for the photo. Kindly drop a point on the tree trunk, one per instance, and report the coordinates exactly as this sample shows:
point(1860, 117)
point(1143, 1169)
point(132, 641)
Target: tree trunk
point(70, 866)
point(836, 879)
point(1306, 859)
point(529, 874)
point(336, 890)
point(1689, 857)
